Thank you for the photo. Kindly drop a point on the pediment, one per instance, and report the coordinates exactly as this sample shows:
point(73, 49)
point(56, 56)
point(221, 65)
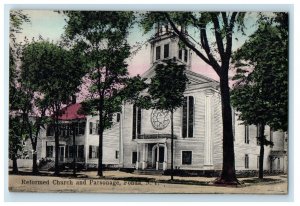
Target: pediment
point(195, 79)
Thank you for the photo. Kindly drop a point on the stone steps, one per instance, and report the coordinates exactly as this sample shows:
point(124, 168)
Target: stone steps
point(149, 172)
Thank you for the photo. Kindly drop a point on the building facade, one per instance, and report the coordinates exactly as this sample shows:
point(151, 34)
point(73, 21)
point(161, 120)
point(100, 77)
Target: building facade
point(140, 138)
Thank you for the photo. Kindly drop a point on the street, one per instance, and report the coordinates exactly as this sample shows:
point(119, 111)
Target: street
point(121, 182)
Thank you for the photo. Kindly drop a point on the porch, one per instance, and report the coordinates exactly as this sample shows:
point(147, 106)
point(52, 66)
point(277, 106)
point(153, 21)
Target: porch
point(152, 151)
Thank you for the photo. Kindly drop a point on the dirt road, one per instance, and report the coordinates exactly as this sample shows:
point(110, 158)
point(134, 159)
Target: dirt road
point(119, 182)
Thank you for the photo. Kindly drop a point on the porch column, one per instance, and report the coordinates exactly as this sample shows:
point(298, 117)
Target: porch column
point(144, 151)
point(137, 156)
point(157, 156)
point(165, 157)
point(208, 159)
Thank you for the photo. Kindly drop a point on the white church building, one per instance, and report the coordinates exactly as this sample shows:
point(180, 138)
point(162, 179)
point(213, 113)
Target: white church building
point(140, 139)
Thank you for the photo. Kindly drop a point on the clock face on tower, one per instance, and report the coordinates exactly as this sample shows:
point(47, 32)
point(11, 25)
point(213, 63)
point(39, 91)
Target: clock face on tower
point(160, 119)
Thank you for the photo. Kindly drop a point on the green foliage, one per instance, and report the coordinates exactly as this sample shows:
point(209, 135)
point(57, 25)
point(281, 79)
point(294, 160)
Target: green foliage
point(111, 106)
point(15, 136)
point(167, 86)
point(51, 71)
point(102, 38)
point(131, 92)
point(16, 94)
point(16, 19)
point(148, 19)
point(261, 94)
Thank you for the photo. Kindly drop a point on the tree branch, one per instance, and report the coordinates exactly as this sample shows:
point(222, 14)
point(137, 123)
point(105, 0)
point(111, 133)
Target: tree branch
point(229, 36)
point(205, 44)
point(218, 35)
point(186, 41)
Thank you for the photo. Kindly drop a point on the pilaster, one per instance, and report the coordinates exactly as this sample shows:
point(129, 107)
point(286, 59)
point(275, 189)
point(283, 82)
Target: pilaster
point(208, 153)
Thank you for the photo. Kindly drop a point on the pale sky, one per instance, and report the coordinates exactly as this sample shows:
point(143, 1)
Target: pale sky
point(50, 25)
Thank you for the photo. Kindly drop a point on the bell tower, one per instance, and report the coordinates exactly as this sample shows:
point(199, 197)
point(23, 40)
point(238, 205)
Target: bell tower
point(165, 45)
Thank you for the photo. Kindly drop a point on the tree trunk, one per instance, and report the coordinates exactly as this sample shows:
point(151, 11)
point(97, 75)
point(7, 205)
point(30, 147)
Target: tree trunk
point(172, 147)
point(262, 150)
point(74, 151)
point(228, 176)
point(56, 171)
point(100, 166)
point(100, 131)
point(15, 164)
point(34, 159)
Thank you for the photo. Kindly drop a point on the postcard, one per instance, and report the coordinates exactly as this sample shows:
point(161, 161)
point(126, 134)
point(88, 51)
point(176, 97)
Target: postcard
point(148, 102)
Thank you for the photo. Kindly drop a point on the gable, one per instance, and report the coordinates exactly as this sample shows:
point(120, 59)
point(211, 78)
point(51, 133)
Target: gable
point(196, 81)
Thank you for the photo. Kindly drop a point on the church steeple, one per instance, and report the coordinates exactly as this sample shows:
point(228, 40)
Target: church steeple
point(165, 45)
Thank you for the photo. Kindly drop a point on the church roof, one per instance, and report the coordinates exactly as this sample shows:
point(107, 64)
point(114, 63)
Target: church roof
point(70, 112)
point(195, 79)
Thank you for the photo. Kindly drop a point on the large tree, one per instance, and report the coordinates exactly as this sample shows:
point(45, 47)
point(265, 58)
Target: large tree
point(166, 96)
point(16, 126)
point(102, 37)
point(213, 44)
point(260, 93)
point(52, 74)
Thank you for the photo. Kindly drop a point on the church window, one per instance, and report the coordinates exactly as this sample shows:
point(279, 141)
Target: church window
point(81, 128)
point(247, 134)
point(157, 52)
point(185, 55)
point(188, 117)
point(70, 149)
point(271, 136)
point(118, 117)
point(139, 120)
point(97, 127)
point(186, 157)
point(50, 130)
point(246, 161)
point(91, 128)
point(80, 151)
point(49, 151)
point(180, 54)
point(136, 121)
point(166, 50)
point(93, 152)
point(134, 157)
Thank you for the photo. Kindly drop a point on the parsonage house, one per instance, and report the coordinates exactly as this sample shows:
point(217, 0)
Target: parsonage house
point(140, 139)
